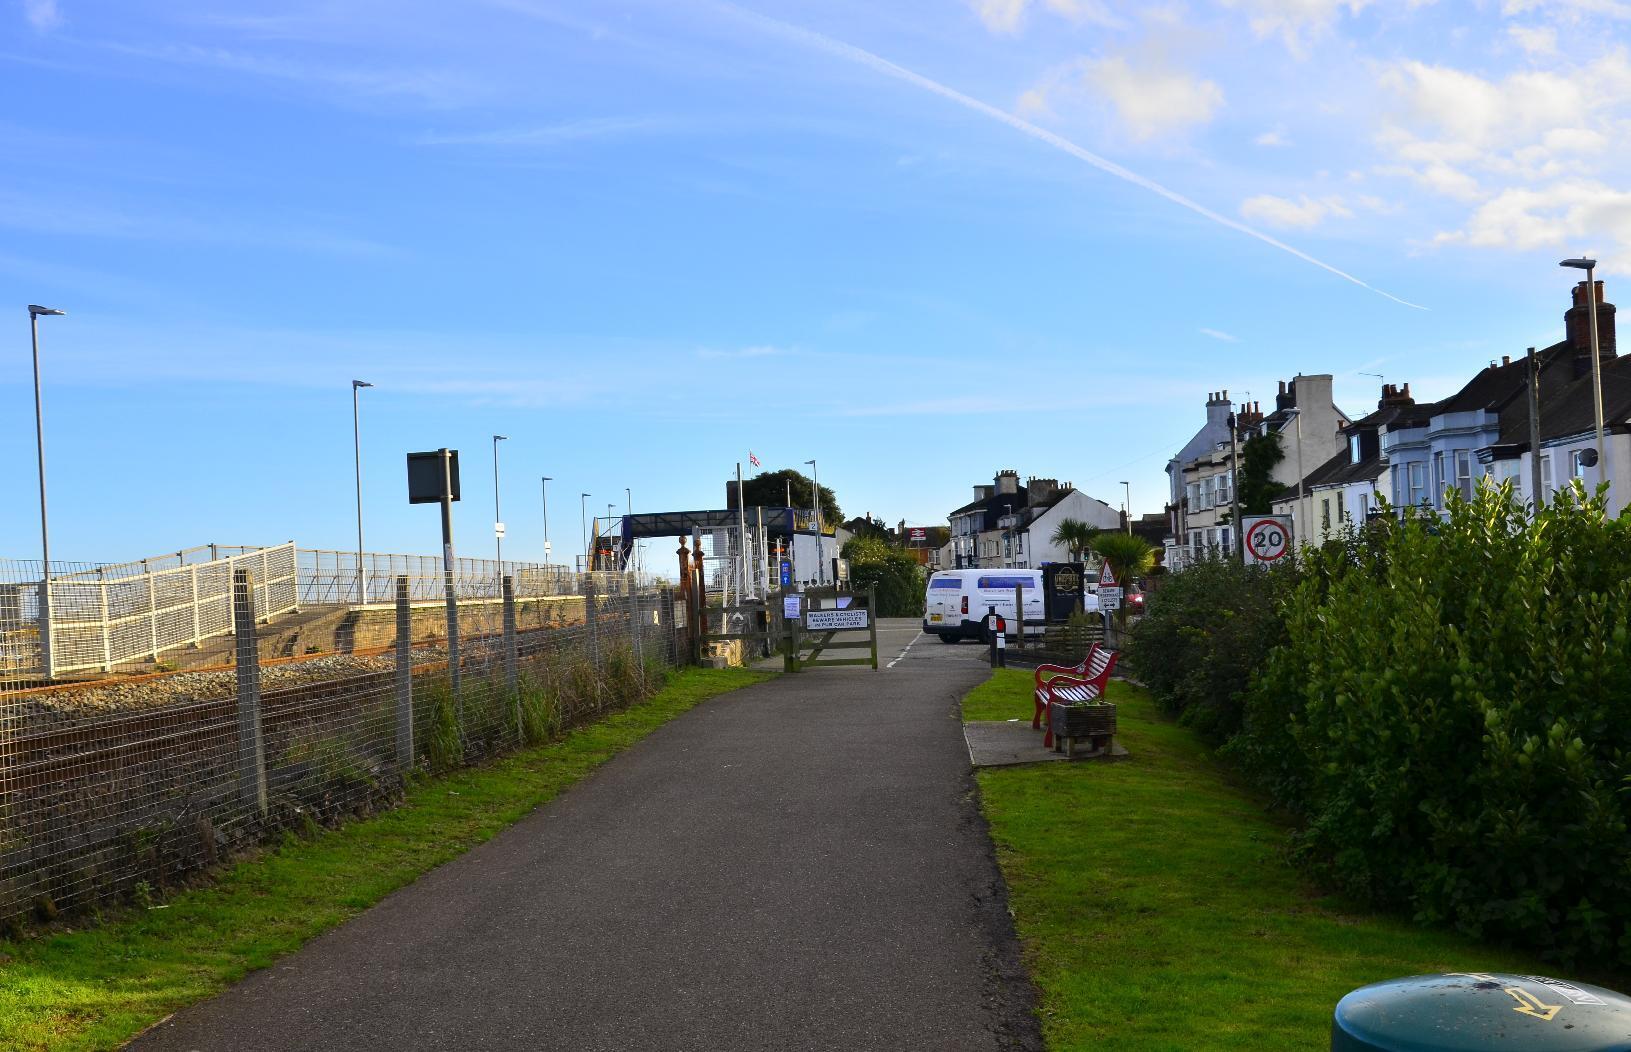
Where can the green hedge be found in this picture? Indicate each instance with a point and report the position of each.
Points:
(1450, 715)
(1207, 629)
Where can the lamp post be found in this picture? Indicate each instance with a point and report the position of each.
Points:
(1127, 487)
(1590, 267)
(34, 313)
(498, 519)
(583, 511)
(815, 475)
(356, 444)
(543, 487)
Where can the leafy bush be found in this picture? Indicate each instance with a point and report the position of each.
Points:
(1205, 631)
(896, 575)
(1451, 715)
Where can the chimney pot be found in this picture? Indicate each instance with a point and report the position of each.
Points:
(1506, 359)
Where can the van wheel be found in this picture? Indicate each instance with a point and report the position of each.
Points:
(947, 637)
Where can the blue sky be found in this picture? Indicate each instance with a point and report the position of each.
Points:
(920, 241)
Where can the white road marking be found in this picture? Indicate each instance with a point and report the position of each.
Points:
(895, 662)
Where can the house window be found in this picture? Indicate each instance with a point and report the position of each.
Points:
(1364, 506)
(1325, 514)
(1418, 482)
(1224, 533)
(1438, 477)
(1353, 448)
(1546, 486)
(1579, 467)
(1463, 473)
(1192, 493)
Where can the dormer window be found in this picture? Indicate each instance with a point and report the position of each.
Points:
(1354, 455)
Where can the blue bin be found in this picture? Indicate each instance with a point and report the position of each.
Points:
(1482, 1012)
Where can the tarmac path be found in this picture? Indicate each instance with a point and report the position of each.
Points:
(797, 865)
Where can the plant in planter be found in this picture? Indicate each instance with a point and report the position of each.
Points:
(1094, 721)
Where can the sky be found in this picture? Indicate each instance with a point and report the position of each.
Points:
(918, 241)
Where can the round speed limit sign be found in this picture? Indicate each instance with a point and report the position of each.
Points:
(1268, 540)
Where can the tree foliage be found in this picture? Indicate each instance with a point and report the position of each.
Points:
(1451, 716)
(769, 489)
(1075, 535)
(896, 576)
(1254, 484)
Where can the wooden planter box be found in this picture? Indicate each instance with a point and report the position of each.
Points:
(1095, 724)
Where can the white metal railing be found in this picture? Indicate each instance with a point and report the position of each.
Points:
(331, 578)
(110, 615)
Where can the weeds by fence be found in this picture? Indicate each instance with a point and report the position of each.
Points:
(114, 789)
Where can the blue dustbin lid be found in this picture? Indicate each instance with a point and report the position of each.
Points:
(1478, 1011)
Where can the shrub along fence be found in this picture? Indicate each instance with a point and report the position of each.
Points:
(1450, 717)
(123, 787)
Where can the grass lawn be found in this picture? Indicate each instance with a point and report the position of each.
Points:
(1157, 910)
(95, 988)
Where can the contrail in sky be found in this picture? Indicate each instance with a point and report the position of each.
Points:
(828, 44)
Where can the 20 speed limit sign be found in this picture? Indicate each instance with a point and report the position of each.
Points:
(1267, 538)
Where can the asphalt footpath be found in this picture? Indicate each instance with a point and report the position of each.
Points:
(797, 865)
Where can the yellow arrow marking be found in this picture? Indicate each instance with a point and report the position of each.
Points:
(1529, 1004)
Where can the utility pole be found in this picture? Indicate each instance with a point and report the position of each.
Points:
(356, 442)
(1234, 489)
(815, 490)
(46, 662)
(498, 518)
(1539, 498)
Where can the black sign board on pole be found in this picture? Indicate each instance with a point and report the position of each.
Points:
(1062, 585)
(425, 476)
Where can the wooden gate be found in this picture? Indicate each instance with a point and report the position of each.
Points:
(828, 620)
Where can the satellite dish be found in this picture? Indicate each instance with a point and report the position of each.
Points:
(1587, 458)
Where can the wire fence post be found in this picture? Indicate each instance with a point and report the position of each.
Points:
(251, 751)
(452, 631)
(511, 679)
(636, 623)
(404, 675)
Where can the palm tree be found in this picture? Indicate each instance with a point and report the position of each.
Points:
(1075, 535)
(1128, 556)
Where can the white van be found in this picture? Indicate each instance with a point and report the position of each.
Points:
(958, 601)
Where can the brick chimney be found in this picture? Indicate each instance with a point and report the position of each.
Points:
(1007, 481)
(1577, 326)
(1286, 398)
(1042, 489)
(1393, 394)
(1250, 415)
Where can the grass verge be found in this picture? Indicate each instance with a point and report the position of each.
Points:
(1157, 909)
(95, 988)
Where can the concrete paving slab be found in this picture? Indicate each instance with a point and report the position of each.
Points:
(1011, 742)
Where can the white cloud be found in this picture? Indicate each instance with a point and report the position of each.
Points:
(1007, 16)
(1152, 101)
(1218, 334)
(1283, 212)
(1560, 216)
(1536, 40)
(43, 15)
(1296, 22)
(1271, 138)
(1611, 8)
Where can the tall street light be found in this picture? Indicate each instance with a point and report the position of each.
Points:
(34, 313)
(356, 446)
(1590, 267)
(815, 475)
(498, 518)
(583, 511)
(544, 489)
(1128, 486)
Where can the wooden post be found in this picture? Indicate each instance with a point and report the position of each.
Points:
(404, 675)
(872, 620)
(251, 749)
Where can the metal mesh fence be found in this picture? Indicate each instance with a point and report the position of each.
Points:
(122, 787)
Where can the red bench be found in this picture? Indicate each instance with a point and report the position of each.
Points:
(1065, 689)
(1092, 665)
